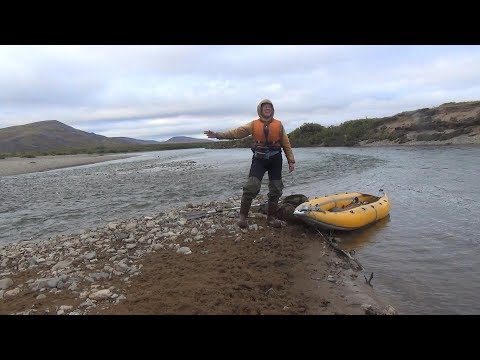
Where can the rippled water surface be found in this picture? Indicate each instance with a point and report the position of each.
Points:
(424, 256)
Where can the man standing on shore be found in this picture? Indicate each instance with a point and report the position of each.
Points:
(268, 140)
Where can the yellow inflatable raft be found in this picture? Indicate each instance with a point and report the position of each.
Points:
(348, 211)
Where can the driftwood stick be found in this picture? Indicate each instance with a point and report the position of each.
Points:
(271, 289)
(358, 266)
(369, 281)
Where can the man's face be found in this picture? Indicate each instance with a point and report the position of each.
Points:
(267, 110)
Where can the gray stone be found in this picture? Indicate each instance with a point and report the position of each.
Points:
(6, 283)
(91, 255)
(62, 264)
(53, 282)
(184, 250)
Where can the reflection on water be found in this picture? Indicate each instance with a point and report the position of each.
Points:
(357, 239)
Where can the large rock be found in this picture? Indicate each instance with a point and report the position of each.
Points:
(5, 283)
(285, 212)
(287, 207)
(295, 199)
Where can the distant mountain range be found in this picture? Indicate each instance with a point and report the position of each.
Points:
(449, 123)
(52, 135)
(175, 139)
(127, 140)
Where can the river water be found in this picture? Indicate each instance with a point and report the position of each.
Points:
(425, 256)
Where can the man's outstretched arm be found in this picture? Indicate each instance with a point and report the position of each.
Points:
(238, 133)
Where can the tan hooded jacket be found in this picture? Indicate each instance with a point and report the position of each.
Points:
(247, 129)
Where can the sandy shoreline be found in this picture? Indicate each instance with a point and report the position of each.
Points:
(17, 165)
(166, 264)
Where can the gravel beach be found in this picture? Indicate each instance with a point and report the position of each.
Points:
(18, 165)
(176, 263)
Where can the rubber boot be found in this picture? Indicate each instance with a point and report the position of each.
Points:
(244, 209)
(271, 211)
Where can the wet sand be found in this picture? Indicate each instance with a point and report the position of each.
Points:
(18, 165)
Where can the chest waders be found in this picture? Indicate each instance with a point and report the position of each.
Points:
(270, 160)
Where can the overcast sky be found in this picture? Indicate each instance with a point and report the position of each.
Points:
(156, 92)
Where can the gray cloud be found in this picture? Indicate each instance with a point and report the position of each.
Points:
(156, 92)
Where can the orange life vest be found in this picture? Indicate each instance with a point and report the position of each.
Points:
(274, 133)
